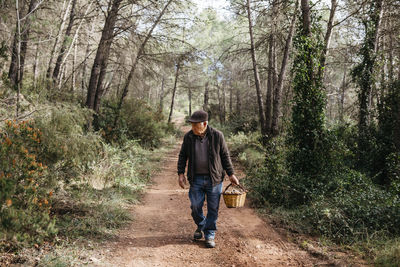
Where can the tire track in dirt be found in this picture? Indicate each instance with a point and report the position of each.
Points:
(162, 229)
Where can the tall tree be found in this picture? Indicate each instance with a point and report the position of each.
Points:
(271, 67)
(205, 103)
(161, 105)
(177, 68)
(95, 88)
(140, 52)
(136, 60)
(309, 156)
(20, 43)
(327, 39)
(363, 72)
(65, 9)
(261, 114)
(67, 37)
(279, 85)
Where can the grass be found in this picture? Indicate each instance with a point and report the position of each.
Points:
(89, 212)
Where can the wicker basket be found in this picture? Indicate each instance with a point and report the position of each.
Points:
(235, 200)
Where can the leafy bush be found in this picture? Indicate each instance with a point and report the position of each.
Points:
(137, 120)
(240, 141)
(246, 123)
(66, 148)
(25, 198)
(355, 209)
(342, 204)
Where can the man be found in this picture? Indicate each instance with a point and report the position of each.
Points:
(208, 159)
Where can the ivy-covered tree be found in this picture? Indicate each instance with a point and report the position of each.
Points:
(308, 116)
(363, 75)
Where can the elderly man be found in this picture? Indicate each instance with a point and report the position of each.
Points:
(208, 159)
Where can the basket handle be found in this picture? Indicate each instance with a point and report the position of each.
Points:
(241, 186)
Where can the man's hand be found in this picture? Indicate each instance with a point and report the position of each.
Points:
(234, 180)
(182, 180)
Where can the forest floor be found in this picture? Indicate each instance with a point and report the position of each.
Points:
(161, 234)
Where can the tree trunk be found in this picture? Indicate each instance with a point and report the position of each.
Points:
(270, 82)
(205, 104)
(305, 11)
(36, 65)
(16, 70)
(161, 106)
(391, 56)
(190, 100)
(279, 85)
(18, 42)
(223, 104)
(101, 59)
(306, 20)
(174, 91)
(383, 84)
(67, 36)
(256, 74)
(219, 103)
(327, 39)
(73, 67)
(60, 29)
(367, 67)
(83, 82)
(230, 99)
(342, 95)
(238, 102)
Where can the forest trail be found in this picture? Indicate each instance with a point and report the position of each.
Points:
(162, 230)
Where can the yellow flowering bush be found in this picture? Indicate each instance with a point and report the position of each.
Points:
(24, 200)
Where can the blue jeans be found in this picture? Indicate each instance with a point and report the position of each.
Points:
(200, 189)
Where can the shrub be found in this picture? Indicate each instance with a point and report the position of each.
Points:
(343, 204)
(24, 196)
(120, 167)
(66, 148)
(240, 141)
(354, 209)
(137, 120)
(246, 123)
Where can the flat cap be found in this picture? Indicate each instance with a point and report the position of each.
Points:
(198, 116)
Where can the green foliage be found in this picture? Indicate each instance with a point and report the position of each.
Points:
(247, 149)
(308, 141)
(364, 76)
(343, 204)
(387, 149)
(66, 148)
(96, 205)
(137, 120)
(355, 209)
(389, 254)
(271, 184)
(90, 213)
(24, 195)
(245, 123)
(3, 52)
(132, 161)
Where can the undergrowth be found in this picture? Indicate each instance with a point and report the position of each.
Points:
(349, 210)
(61, 183)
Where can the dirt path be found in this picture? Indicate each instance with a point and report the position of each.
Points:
(162, 230)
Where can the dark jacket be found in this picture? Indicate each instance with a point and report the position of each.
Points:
(218, 156)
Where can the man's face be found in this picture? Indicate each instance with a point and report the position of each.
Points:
(199, 127)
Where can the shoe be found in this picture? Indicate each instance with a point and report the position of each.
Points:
(210, 243)
(198, 234)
